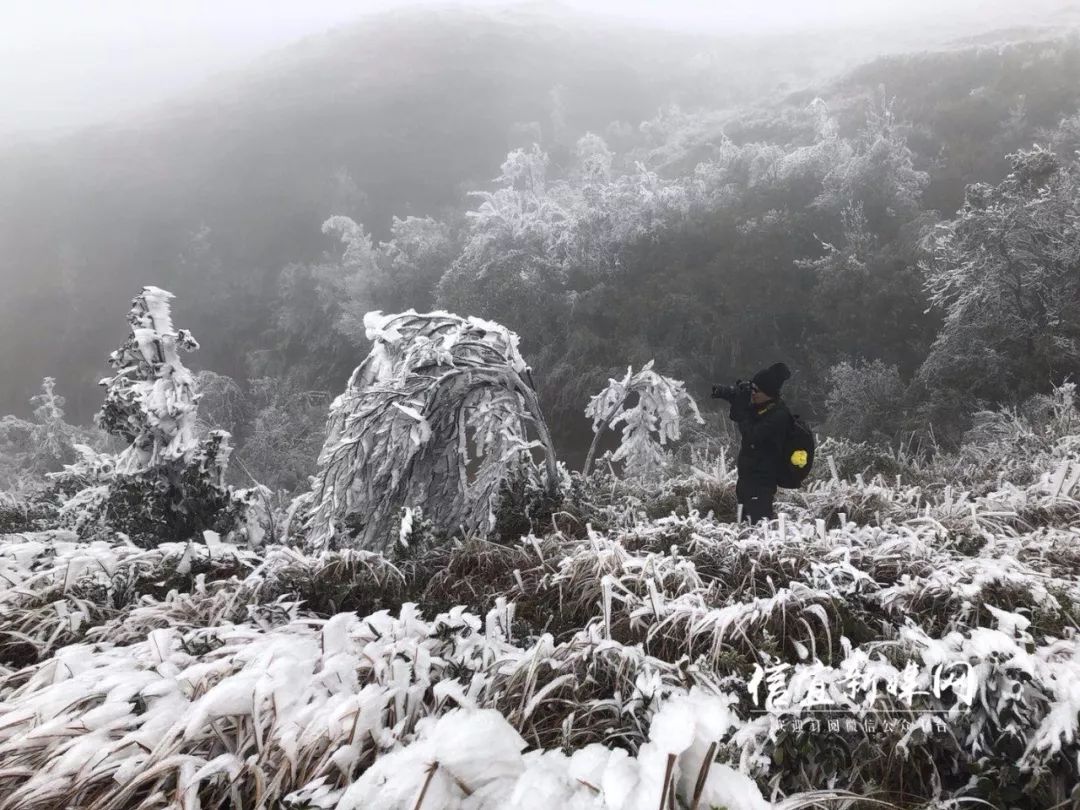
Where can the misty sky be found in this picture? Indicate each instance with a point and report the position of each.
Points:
(67, 63)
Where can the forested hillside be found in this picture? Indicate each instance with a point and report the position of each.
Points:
(719, 211)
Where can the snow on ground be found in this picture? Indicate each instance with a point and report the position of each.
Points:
(923, 636)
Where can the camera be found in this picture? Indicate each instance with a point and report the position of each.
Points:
(732, 393)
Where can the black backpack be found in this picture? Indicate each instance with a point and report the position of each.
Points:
(800, 440)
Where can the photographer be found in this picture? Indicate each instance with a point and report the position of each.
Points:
(764, 422)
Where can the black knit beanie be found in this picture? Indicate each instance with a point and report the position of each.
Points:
(770, 379)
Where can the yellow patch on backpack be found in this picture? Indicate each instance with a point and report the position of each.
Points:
(798, 458)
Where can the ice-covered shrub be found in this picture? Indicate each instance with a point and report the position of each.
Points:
(648, 426)
(166, 484)
(701, 482)
(150, 401)
(62, 590)
(31, 452)
(437, 416)
(222, 403)
(1025, 440)
(848, 459)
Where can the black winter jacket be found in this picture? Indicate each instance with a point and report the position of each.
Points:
(764, 428)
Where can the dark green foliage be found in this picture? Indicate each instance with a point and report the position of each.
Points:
(527, 508)
(27, 513)
(150, 514)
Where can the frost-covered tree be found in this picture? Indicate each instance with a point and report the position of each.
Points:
(867, 294)
(286, 432)
(1006, 273)
(647, 426)
(55, 439)
(548, 256)
(514, 259)
(594, 159)
(222, 403)
(437, 416)
(166, 484)
(865, 401)
(367, 275)
(850, 257)
(419, 251)
(358, 281)
(150, 401)
(521, 216)
(31, 448)
(878, 171)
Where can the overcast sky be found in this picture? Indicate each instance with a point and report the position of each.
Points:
(66, 63)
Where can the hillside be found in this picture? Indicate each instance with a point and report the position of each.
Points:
(396, 116)
(904, 635)
(400, 115)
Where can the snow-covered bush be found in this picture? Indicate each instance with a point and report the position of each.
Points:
(222, 404)
(166, 484)
(29, 450)
(648, 426)
(151, 401)
(436, 416)
(1022, 440)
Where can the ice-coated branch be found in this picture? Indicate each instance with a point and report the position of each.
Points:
(657, 412)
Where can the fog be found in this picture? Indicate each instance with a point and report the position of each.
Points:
(65, 64)
(201, 146)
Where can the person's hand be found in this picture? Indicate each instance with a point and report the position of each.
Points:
(740, 409)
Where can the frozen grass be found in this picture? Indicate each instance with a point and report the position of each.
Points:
(604, 660)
